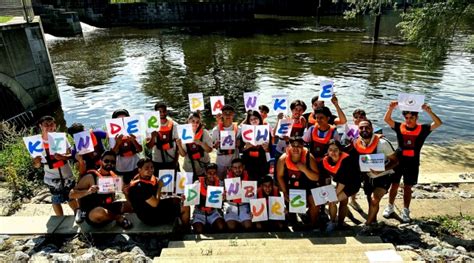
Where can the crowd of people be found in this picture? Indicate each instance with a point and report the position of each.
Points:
(315, 154)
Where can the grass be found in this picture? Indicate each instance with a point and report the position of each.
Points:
(451, 224)
(4, 19)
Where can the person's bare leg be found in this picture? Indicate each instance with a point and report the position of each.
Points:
(374, 205)
(58, 209)
(407, 191)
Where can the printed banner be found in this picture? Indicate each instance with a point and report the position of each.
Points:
(375, 162)
(410, 102)
(258, 208)
(297, 201)
(233, 188)
(324, 194)
(34, 144)
(106, 185)
(276, 208)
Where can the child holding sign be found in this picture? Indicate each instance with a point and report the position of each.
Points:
(91, 159)
(319, 135)
(266, 190)
(57, 171)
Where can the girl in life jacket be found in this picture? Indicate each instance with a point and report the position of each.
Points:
(196, 154)
(321, 133)
(255, 157)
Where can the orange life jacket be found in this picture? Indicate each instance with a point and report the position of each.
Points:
(203, 193)
(195, 151)
(137, 180)
(245, 177)
(298, 127)
(333, 169)
(319, 145)
(106, 198)
(409, 139)
(369, 149)
(311, 119)
(51, 161)
(221, 128)
(164, 141)
(294, 174)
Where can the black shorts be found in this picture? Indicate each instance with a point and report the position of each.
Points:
(379, 182)
(114, 208)
(166, 212)
(409, 171)
(351, 190)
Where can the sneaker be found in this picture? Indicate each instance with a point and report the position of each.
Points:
(406, 215)
(388, 211)
(79, 216)
(330, 226)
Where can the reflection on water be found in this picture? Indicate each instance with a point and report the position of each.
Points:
(134, 68)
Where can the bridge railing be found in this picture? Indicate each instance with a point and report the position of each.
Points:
(22, 8)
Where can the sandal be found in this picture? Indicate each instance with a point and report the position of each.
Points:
(125, 223)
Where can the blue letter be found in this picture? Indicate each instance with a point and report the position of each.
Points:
(166, 179)
(260, 136)
(214, 196)
(326, 91)
(32, 147)
(132, 127)
(83, 145)
(183, 136)
(228, 140)
(283, 128)
(279, 104)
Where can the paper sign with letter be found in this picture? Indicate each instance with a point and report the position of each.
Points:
(351, 131)
(280, 103)
(83, 142)
(167, 177)
(327, 90)
(276, 208)
(106, 185)
(249, 191)
(227, 140)
(410, 102)
(248, 133)
(284, 127)
(233, 188)
(217, 102)
(251, 101)
(297, 201)
(185, 133)
(57, 143)
(262, 134)
(375, 162)
(152, 121)
(183, 178)
(191, 192)
(258, 208)
(34, 144)
(324, 194)
(133, 125)
(118, 181)
(115, 127)
(214, 196)
(196, 101)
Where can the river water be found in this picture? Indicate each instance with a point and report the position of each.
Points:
(129, 68)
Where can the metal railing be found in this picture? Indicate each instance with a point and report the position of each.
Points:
(22, 8)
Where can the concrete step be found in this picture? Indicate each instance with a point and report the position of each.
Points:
(275, 242)
(285, 248)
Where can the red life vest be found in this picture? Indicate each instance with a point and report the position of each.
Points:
(319, 145)
(51, 161)
(311, 119)
(195, 151)
(137, 180)
(294, 174)
(245, 177)
(106, 198)
(298, 127)
(333, 169)
(221, 128)
(127, 148)
(369, 149)
(203, 193)
(164, 141)
(409, 139)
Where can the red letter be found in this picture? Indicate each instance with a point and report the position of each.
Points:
(245, 133)
(114, 128)
(217, 105)
(259, 212)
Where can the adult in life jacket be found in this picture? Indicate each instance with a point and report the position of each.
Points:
(145, 197)
(58, 174)
(225, 157)
(196, 154)
(297, 107)
(376, 183)
(96, 193)
(162, 143)
(126, 148)
(297, 169)
(411, 137)
(267, 189)
(255, 156)
(236, 213)
(319, 135)
(310, 117)
(203, 215)
(340, 168)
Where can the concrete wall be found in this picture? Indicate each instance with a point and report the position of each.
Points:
(25, 68)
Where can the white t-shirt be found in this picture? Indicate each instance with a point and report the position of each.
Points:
(170, 154)
(51, 175)
(224, 160)
(382, 147)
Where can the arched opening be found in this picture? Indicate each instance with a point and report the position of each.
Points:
(10, 105)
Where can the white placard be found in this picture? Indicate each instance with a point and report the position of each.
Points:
(106, 185)
(388, 255)
(297, 201)
(196, 101)
(351, 131)
(185, 133)
(133, 125)
(227, 141)
(57, 143)
(284, 127)
(34, 145)
(192, 195)
(258, 208)
(214, 196)
(183, 178)
(262, 134)
(251, 101)
(249, 191)
(410, 102)
(217, 102)
(118, 182)
(115, 127)
(276, 209)
(324, 194)
(280, 103)
(167, 177)
(375, 162)
(248, 133)
(326, 91)
(152, 121)
(83, 142)
(233, 188)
